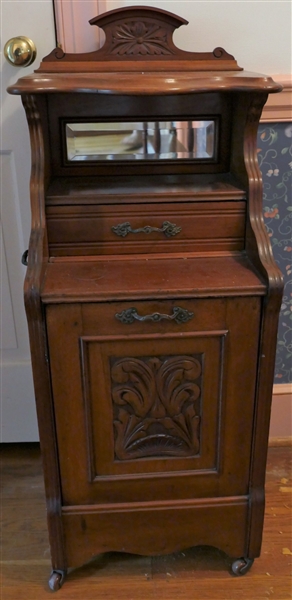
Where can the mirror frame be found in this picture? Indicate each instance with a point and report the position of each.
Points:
(154, 159)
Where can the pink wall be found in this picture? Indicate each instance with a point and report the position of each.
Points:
(73, 32)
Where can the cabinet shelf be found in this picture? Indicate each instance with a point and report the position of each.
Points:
(69, 280)
(138, 189)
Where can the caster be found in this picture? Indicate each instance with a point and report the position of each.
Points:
(56, 580)
(241, 566)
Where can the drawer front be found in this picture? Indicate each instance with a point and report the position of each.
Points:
(146, 228)
(153, 408)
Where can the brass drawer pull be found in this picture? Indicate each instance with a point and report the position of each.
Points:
(169, 229)
(180, 315)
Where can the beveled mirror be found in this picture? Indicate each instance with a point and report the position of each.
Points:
(140, 140)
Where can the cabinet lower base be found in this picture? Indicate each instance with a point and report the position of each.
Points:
(155, 528)
(239, 567)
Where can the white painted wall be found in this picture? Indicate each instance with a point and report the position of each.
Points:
(34, 19)
(256, 32)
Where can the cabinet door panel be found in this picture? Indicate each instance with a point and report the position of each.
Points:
(144, 400)
(156, 414)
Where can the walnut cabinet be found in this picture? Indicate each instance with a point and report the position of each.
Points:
(152, 295)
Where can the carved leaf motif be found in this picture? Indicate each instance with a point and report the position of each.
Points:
(156, 408)
(140, 393)
(176, 378)
(129, 429)
(136, 37)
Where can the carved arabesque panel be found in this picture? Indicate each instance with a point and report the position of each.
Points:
(156, 406)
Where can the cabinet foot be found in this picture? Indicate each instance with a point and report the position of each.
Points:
(241, 566)
(56, 580)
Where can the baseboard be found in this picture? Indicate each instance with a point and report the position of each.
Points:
(18, 412)
(280, 442)
(282, 389)
(281, 416)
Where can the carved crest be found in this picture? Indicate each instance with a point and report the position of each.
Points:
(156, 403)
(139, 34)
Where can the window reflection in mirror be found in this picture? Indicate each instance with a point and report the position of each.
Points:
(140, 140)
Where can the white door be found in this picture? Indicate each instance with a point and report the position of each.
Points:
(35, 20)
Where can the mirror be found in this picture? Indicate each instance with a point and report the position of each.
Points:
(140, 140)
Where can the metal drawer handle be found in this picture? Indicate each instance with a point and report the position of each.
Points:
(180, 315)
(169, 229)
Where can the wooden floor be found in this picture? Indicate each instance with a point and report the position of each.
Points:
(194, 574)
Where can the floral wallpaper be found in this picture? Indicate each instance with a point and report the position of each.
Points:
(275, 161)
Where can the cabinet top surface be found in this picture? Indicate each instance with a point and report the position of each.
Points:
(139, 57)
(144, 83)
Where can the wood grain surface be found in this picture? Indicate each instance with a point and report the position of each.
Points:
(120, 278)
(193, 574)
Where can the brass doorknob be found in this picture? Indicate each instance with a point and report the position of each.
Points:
(20, 51)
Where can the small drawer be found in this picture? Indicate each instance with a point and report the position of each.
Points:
(154, 316)
(146, 228)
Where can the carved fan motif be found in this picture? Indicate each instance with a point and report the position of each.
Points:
(137, 37)
(156, 405)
